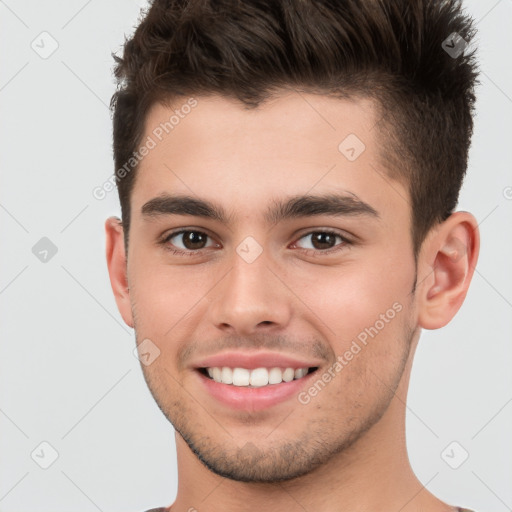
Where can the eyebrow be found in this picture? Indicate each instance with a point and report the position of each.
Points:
(336, 205)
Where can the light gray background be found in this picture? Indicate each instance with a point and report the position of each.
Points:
(67, 372)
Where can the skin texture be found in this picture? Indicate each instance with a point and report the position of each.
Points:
(345, 449)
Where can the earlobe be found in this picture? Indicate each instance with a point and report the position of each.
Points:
(117, 268)
(448, 262)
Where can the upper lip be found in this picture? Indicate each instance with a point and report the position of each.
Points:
(251, 360)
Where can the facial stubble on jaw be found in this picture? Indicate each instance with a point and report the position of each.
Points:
(247, 462)
(250, 463)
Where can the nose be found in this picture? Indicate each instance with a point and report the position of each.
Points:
(251, 298)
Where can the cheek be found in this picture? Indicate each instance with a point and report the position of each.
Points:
(359, 299)
(165, 296)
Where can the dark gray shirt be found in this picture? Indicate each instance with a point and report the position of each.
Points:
(164, 510)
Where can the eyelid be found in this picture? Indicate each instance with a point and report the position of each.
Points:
(333, 231)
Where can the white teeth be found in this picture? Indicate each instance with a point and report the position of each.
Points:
(275, 376)
(227, 375)
(241, 377)
(217, 374)
(288, 374)
(257, 377)
(300, 372)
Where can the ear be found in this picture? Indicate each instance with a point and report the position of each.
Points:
(447, 262)
(117, 268)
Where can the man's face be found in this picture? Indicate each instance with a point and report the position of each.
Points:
(268, 290)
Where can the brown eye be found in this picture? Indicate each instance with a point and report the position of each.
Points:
(194, 240)
(189, 240)
(321, 241)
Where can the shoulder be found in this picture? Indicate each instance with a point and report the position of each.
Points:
(162, 509)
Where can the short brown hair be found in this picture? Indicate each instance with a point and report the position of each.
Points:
(393, 51)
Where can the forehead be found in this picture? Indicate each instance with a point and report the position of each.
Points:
(215, 148)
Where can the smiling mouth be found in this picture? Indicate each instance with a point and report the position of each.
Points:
(255, 378)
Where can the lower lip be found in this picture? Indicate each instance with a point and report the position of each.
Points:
(254, 399)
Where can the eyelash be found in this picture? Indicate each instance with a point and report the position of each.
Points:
(178, 252)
